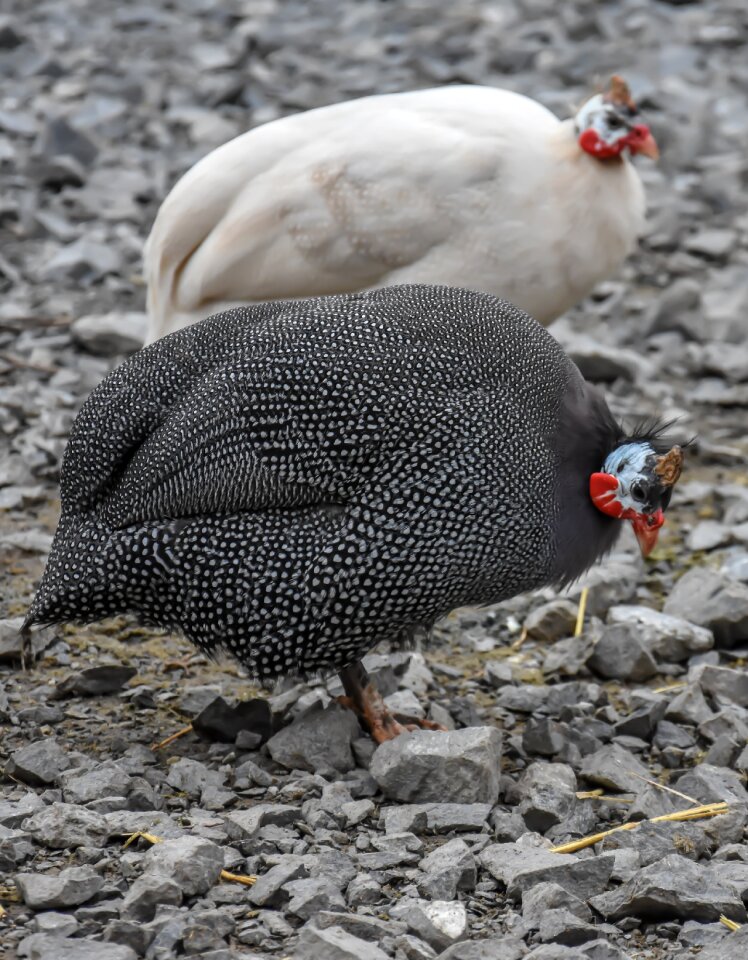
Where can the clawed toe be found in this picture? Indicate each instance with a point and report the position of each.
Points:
(365, 700)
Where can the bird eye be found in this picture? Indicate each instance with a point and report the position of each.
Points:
(614, 122)
(637, 491)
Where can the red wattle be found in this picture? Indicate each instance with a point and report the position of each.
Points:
(603, 490)
(590, 142)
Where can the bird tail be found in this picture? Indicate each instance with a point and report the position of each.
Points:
(92, 573)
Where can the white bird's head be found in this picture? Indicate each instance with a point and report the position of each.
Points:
(608, 124)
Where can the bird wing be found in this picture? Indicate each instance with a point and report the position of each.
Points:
(284, 430)
(332, 200)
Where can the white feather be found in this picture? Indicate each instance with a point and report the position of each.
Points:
(465, 186)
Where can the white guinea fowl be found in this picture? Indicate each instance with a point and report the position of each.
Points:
(465, 186)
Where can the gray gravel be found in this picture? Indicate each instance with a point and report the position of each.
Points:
(438, 845)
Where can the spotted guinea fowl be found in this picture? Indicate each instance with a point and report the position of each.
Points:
(463, 185)
(297, 481)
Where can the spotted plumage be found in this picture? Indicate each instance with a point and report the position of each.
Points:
(296, 481)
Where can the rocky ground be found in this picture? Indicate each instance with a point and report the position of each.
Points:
(437, 845)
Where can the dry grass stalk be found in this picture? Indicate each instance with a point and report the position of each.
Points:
(669, 687)
(172, 738)
(246, 879)
(695, 813)
(661, 786)
(580, 613)
(730, 924)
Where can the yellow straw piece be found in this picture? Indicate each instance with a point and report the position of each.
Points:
(730, 924)
(695, 813)
(580, 613)
(517, 645)
(661, 786)
(172, 738)
(243, 878)
(238, 878)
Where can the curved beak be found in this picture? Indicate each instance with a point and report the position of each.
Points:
(640, 140)
(647, 530)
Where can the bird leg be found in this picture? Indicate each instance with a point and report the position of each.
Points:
(366, 701)
(184, 663)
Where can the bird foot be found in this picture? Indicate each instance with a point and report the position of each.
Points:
(183, 664)
(381, 723)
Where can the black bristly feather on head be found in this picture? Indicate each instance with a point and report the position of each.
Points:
(654, 431)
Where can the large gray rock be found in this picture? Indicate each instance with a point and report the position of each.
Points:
(55, 924)
(671, 639)
(710, 599)
(95, 681)
(320, 739)
(613, 767)
(15, 847)
(434, 817)
(551, 621)
(334, 943)
(620, 654)
(673, 887)
(269, 890)
(40, 763)
(711, 784)
(309, 895)
(111, 333)
(601, 363)
(548, 792)
(447, 869)
(104, 780)
(43, 946)
(193, 863)
(460, 766)
(62, 826)
(729, 683)
(14, 812)
(653, 841)
(87, 260)
(145, 895)
(494, 948)
(69, 888)
(248, 822)
(59, 138)
(734, 948)
(359, 925)
(192, 777)
(135, 821)
(611, 582)
(520, 866)
(561, 925)
(689, 706)
(439, 922)
(538, 900)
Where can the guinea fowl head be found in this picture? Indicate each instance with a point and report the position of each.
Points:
(636, 483)
(608, 124)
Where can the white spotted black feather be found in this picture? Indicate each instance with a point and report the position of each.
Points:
(297, 481)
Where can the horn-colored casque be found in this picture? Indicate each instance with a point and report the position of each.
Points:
(668, 467)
